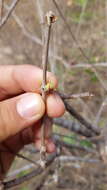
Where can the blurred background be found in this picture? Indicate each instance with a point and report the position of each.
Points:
(21, 43)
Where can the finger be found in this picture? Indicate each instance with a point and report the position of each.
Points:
(22, 78)
(50, 146)
(55, 106)
(20, 112)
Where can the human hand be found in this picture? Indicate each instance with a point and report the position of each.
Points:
(21, 108)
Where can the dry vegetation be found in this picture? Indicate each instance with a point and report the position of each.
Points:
(20, 43)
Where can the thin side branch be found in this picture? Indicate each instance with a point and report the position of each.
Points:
(75, 96)
(43, 178)
(76, 159)
(9, 12)
(73, 146)
(81, 119)
(85, 65)
(69, 29)
(36, 172)
(75, 40)
(1, 10)
(73, 126)
(8, 149)
(25, 31)
(100, 110)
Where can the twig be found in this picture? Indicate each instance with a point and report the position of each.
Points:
(81, 17)
(75, 96)
(100, 110)
(73, 146)
(70, 31)
(81, 119)
(31, 150)
(78, 140)
(99, 78)
(39, 7)
(74, 158)
(1, 10)
(8, 149)
(43, 178)
(38, 171)
(18, 171)
(50, 18)
(11, 8)
(25, 31)
(73, 126)
(93, 67)
(85, 65)
(77, 144)
(75, 40)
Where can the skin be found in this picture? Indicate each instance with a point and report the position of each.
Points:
(17, 131)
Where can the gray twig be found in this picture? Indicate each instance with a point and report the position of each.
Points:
(74, 158)
(100, 110)
(85, 65)
(8, 149)
(73, 146)
(79, 47)
(75, 96)
(1, 9)
(19, 170)
(81, 119)
(9, 12)
(73, 126)
(25, 31)
(44, 177)
(70, 31)
(20, 180)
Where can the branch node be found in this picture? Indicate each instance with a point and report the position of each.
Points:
(50, 18)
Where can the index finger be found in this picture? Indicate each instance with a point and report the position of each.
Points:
(22, 78)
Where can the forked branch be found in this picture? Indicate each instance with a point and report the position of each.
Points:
(9, 12)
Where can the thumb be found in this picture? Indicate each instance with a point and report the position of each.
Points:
(19, 112)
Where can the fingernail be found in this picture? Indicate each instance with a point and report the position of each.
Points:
(30, 105)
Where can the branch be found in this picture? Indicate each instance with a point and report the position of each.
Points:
(73, 126)
(1, 9)
(49, 19)
(78, 140)
(75, 40)
(70, 31)
(85, 65)
(75, 96)
(100, 110)
(31, 150)
(81, 119)
(25, 31)
(19, 170)
(73, 146)
(8, 149)
(12, 7)
(36, 172)
(43, 178)
(75, 158)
